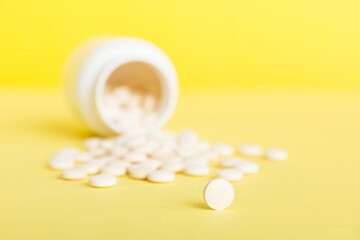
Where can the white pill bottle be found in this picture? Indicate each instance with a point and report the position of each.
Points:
(104, 64)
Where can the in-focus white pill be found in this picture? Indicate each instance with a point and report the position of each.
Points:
(197, 170)
(229, 162)
(139, 171)
(102, 180)
(73, 174)
(247, 167)
(219, 194)
(230, 174)
(173, 166)
(114, 170)
(61, 162)
(223, 149)
(161, 176)
(251, 150)
(276, 154)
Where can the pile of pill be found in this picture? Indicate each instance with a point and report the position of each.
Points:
(129, 108)
(156, 158)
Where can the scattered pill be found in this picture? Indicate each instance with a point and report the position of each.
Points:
(223, 149)
(250, 150)
(173, 166)
(103, 180)
(197, 170)
(276, 154)
(247, 167)
(135, 157)
(229, 162)
(61, 162)
(161, 176)
(219, 194)
(230, 174)
(89, 167)
(139, 171)
(114, 170)
(187, 138)
(73, 174)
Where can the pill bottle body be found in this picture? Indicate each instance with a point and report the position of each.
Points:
(129, 61)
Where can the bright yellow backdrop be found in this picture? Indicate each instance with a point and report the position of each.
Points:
(212, 43)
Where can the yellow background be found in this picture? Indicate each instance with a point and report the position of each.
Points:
(227, 43)
(260, 49)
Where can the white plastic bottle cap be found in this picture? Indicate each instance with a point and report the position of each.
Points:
(108, 62)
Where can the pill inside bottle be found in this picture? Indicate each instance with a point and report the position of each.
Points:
(132, 98)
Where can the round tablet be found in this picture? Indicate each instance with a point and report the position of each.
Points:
(73, 174)
(114, 170)
(251, 150)
(230, 174)
(89, 167)
(139, 171)
(276, 154)
(103, 180)
(161, 176)
(61, 162)
(229, 162)
(219, 194)
(247, 167)
(197, 170)
(173, 166)
(223, 149)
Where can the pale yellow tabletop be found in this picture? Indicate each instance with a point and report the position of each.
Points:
(313, 195)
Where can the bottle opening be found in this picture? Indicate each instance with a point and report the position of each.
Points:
(131, 98)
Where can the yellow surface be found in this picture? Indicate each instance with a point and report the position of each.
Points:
(212, 43)
(313, 195)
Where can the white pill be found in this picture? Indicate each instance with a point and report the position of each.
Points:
(114, 170)
(135, 157)
(106, 144)
(161, 176)
(73, 174)
(135, 142)
(229, 162)
(83, 157)
(92, 143)
(186, 152)
(61, 162)
(247, 167)
(153, 163)
(276, 154)
(89, 167)
(118, 151)
(251, 150)
(173, 166)
(197, 170)
(223, 149)
(230, 174)
(68, 151)
(173, 158)
(219, 194)
(210, 155)
(187, 138)
(97, 152)
(139, 171)
(103, 180)
(196, 160)
(119, 163)
(203, 146)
